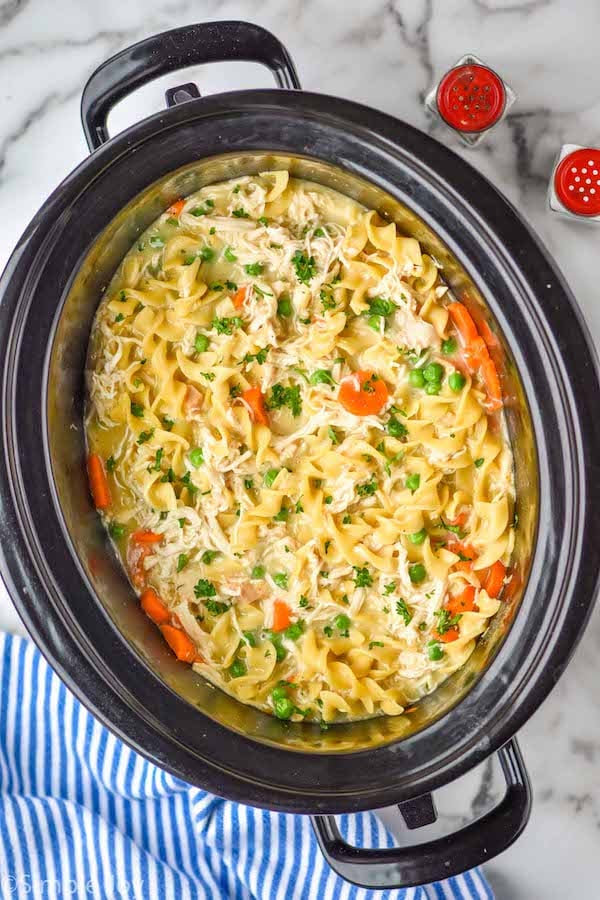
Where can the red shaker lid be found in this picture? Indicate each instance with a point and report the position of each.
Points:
(577, 182)
(471, 98)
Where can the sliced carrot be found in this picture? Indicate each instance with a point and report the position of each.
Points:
(239, 298)
(281, 615)
(488, 335)
(176, 208)
(459, 520)
(475, 353)
(146, 537)
(181, 645)
(98, 481)
(254, 397)
(463, 323)
(462, 549)
(463, 602)
(493, 578)
(154, 608)
(363, 393)
(489, 375)
(447, 636)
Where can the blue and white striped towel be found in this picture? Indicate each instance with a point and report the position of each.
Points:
(82, 815)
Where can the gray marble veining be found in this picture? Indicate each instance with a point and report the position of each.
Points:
(384, 54)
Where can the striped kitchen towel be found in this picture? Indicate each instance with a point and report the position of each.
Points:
(82, 815)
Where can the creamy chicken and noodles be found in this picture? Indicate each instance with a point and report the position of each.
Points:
(296, 444)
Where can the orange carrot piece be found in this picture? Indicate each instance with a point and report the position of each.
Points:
(448, 636)
(462, 549)
(463, 323)
(463, 602)
(146, 537)
(176, 208)
(493, 579)
(254, 397)
(363, 393)
(489, 375)
(98, 481)
(181, 645)
(154, 608)
(281, 615)
(239, 298)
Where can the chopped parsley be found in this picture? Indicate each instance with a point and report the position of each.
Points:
(206, 254)
(226, 325)
(375, 644)
(285, 396)
(254, 269)
(167, 423)
(303, 602)
(479, 462)
(204, 588)
(403, 611)
(215, 607)
(327, 301)
(145, 436)
(284, 308)
(263, 220)
(203, 210)
(412, 482)
(258, 572)
(305, 266)
(240, 213)
(111, 464)
(260, 356)
(210, 376)
(182, 561)
(368, 488)
(362, 577)
(229, 254)
(347, 519)
(445, 621)
(119, 318)
(235, 391)
(322, 376)
(395, 428)
(332, 435)
(156, 241)
(137, 410)
(389, 588)
(270, 476)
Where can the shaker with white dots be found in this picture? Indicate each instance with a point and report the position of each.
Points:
(575, 184)
(471, 99)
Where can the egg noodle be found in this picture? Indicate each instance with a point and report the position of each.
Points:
(298, 450)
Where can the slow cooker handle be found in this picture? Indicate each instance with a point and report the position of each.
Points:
(435, 860)
(191, 45)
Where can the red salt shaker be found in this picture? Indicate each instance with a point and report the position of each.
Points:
(574, 189)
(470, 99)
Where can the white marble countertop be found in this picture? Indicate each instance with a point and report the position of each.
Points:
(385, 53)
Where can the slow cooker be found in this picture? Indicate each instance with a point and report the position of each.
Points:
(68, 587)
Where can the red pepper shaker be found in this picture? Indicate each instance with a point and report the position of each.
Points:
(574, 189)
(470, 99)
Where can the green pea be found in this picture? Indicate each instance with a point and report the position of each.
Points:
(417, 537)
(258, 572)
(283, 707)
(116, 530)
(237, 668)
(435, 652)
(433, 372)
(417, 573)
(413, 481)
(457, 382)
(374, 322)
(284, 308)
(270, 476)
(196, 457)
(416, 378)
(449, 347)
(432, 387)
(201, 343)
(279, 692)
